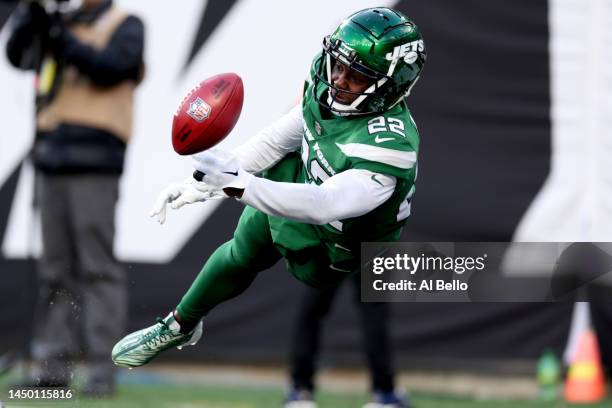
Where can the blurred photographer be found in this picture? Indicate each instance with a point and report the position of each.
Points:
(88, 59)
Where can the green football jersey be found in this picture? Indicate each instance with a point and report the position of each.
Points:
(385, 143)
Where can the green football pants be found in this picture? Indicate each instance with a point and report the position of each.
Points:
(235, 264)
(232, 267)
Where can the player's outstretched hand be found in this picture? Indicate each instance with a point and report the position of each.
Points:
(178, 194)
(221, 169)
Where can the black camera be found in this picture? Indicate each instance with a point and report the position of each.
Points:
(56, 6)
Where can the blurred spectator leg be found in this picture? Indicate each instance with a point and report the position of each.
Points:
(54, 341)
(103, 281)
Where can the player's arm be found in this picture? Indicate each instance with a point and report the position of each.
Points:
(348, 194)
(345, 195)
(29, 26)
(259, 153)
(270, 145)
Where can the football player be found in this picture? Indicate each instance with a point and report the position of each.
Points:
(337, 170)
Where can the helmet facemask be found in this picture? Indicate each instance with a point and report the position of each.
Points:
(337, 52)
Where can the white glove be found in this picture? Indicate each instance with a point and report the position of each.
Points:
(179, 194)
(221, 170)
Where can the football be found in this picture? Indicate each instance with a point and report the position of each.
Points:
(207, 113)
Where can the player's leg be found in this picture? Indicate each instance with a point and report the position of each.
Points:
(231, 269)
(226, 274)
(378, 351)
(314, 307)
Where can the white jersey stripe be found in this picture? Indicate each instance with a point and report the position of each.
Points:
(392, 157)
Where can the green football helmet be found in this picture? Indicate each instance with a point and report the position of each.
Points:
(380, 43)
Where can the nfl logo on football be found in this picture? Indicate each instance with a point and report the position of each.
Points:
(199, 110)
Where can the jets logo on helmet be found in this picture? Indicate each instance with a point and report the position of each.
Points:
(408, 51)
(381, 45)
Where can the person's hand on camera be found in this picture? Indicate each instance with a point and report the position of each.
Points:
(31, 18)
(39, 20)
(58, 37)
(47, 26)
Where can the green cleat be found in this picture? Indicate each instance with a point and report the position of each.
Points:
(142, 346)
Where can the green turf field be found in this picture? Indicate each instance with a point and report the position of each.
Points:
(175, 396)
(153, 389)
